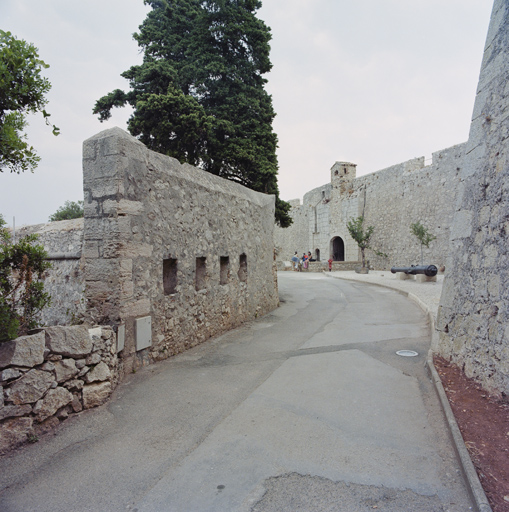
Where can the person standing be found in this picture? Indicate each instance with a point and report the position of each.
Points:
(305, 261)
(330, 264)
(295, 260)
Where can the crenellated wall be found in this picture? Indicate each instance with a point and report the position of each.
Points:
(390, 200)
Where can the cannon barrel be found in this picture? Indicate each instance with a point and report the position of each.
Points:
(427, 270)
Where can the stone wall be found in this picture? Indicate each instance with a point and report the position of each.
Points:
(51, 374)
(394, 198)
(473, 319)
(172, 254)
(390, 200)
(65, 281)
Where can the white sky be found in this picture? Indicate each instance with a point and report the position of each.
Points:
(366, 81)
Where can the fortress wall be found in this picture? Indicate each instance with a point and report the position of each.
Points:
(173, 254)
(473, 318)
(289, 240)
(394, 198)
(65, 280)
(390, 200)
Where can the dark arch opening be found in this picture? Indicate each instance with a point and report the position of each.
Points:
(338, 249)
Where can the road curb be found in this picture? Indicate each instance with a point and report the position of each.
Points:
(467, 467)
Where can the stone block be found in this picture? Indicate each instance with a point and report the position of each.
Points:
(76, 404)
(14, 432)
(15, 411)
(136, 309)
(93, 359)
(9, 374)
(54, 400)
(461, 225)
(96, 394)
(75, 384)
(100, 269)
(65, 369)
(123, 207)
(73, 341)
(403, 277)
(31, 387)
(421, 278)
(99, 373)
(90, 249)
(27, 351)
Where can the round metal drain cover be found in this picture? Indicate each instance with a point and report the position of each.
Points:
(407, 353)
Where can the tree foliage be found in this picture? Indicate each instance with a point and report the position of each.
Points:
(22, 296)
(22, 91)
(70, 210)
(360, 234)
(199, 95)
(423, 235)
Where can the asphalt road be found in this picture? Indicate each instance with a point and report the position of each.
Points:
(307, 409)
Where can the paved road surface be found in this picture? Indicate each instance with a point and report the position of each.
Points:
(306, 409)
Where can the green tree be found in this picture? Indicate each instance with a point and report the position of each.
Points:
(423, 235)
(70, 210)
(22, 295)
(22, 91)
(361, 235)
(199, 95)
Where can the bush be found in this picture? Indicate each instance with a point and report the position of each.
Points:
(22, 296)
(70, 210)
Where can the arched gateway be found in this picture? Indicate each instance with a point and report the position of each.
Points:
(338, 249)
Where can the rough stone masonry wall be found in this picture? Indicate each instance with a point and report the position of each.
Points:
(51, 374)
(65, 280)
(173, 255)
(390, 200)
(404, 194)
(289, 240)
(473, 319)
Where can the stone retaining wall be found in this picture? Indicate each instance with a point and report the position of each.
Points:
(46, 376)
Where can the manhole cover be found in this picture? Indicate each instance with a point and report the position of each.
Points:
(407, 353)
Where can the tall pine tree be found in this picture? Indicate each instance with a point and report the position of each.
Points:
(199, 95)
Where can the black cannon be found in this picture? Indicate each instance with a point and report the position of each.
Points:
(427, 270)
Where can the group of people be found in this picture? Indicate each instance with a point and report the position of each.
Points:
(300, 263)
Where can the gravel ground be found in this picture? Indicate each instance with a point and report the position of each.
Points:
(427, 294)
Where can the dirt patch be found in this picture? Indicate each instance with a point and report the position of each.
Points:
(484, 424)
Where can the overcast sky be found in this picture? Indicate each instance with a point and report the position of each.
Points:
(374, 82)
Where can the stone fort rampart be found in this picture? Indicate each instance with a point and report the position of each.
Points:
(167, 254)
(390, 200)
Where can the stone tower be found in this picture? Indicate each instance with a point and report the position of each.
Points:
(342, 175)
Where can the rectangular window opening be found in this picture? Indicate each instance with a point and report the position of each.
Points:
(170, 276)
(243, 268)
(224, 271)
(201, 273)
